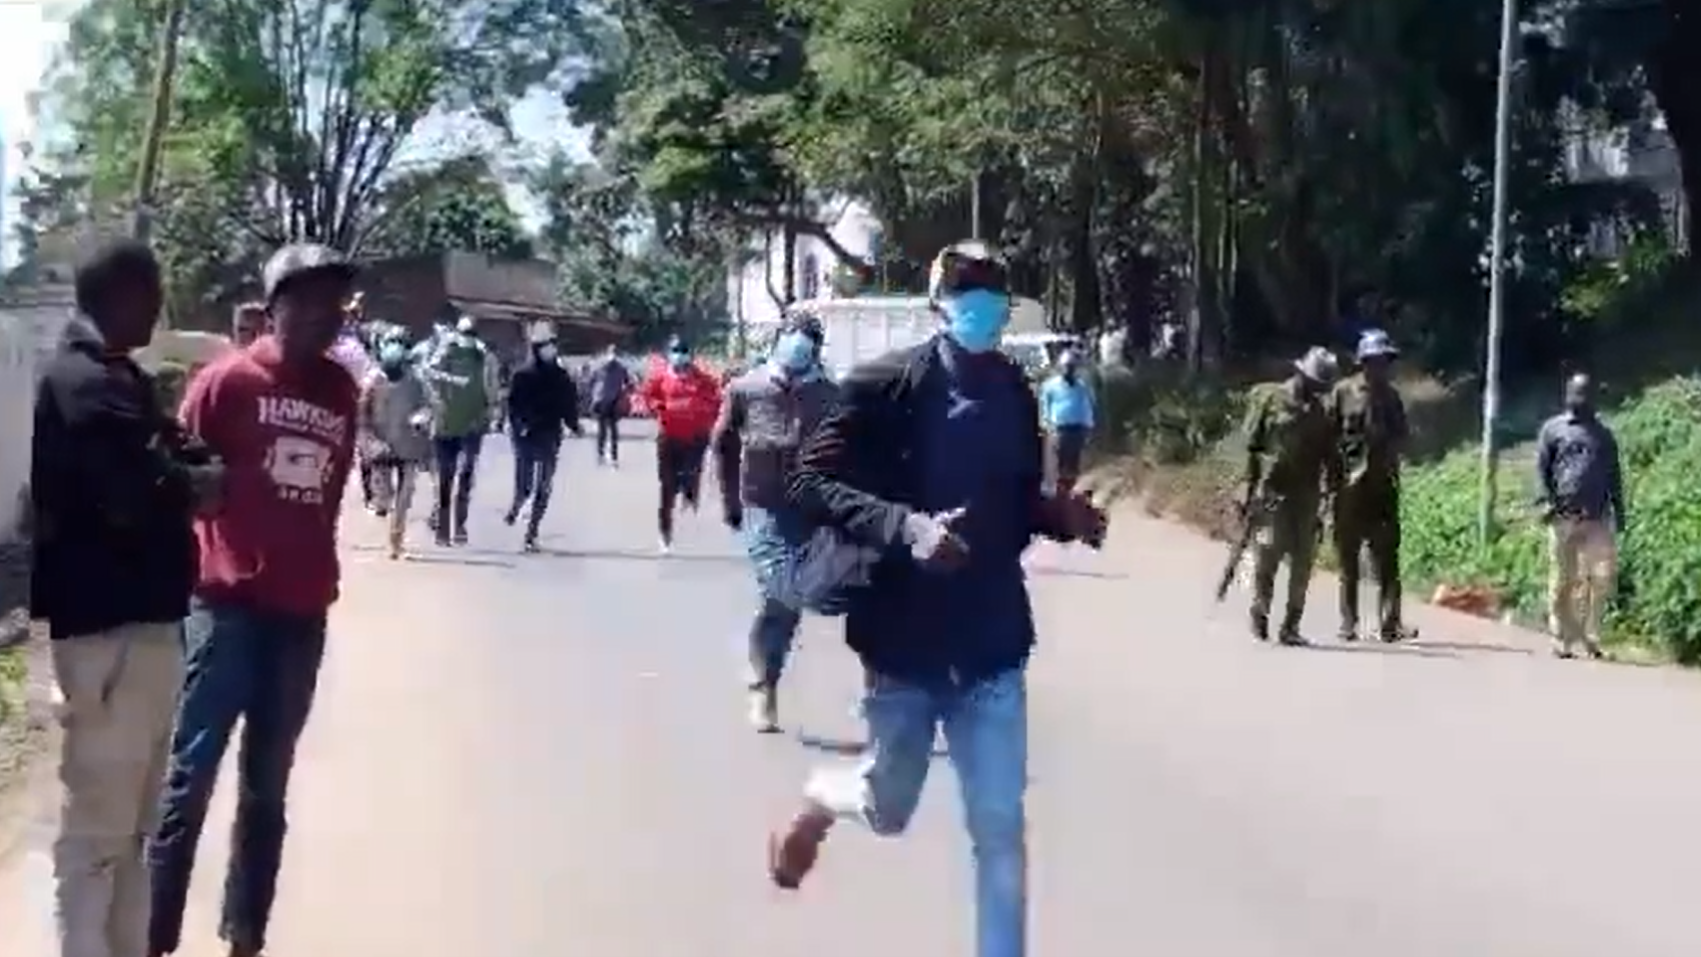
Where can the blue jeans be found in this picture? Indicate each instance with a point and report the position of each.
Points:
(457, 463)
(535, 459)
(263, 668)
(775, 627)
(986, 731)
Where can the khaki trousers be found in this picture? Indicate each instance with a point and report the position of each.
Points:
(393, 485)
(120, 693)
(1582, 564)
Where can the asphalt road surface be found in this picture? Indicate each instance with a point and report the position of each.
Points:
(546, 755)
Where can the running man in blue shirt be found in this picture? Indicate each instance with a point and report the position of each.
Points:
(1066, 412)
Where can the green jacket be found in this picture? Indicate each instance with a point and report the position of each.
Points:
(1290, 445)
(460, 373)
(1371, 429)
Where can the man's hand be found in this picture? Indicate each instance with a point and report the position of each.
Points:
(1081, 520)
(933, 542)
(206, 485)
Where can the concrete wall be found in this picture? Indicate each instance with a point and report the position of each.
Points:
(31, 324)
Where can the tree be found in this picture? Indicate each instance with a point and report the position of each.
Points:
(460, 205)
(614, 260)
(289, 117)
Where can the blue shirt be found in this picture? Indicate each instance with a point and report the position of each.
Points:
(1064, 404)
(972, 447)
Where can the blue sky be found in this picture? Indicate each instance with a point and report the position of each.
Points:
(31, 29)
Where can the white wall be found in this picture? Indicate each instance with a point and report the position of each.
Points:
(849, 222)
(17, 399)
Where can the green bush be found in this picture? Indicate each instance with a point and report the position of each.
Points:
(1659, 598)
(1162, 415)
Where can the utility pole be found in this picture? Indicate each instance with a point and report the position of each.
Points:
(147, 173)
(1497, 273)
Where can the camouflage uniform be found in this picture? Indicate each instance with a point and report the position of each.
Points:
(1370, 425)
(1291, 460)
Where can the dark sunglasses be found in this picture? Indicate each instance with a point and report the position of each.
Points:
(962, 274)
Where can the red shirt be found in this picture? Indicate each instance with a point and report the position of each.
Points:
(685, 402)
(287, 439)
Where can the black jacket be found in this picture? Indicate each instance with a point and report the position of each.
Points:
(859, 473)
(542, 400)
(109, 480)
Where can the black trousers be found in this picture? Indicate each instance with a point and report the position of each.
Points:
(1068, 445)
(607, 415)
(679, 474)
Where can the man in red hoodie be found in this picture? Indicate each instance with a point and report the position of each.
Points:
(281, 415)
(686, 401)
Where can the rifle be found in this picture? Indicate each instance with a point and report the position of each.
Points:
(1252, 515)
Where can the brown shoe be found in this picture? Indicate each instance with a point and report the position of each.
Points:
(792, 851)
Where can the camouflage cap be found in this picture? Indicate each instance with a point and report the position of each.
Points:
(299, 259)
(1319, 365)
(1375, 343)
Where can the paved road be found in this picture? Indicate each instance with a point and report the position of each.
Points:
(546, 754)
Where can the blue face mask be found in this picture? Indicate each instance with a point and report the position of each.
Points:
(976, 319)
(679, 360)
(795, 352)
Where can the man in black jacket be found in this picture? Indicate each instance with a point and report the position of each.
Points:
(115, 483)
(935, 456)
(542, 402)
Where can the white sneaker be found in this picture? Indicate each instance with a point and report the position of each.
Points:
(664, 548)
(764, 712)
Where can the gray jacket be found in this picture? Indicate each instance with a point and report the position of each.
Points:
(609, 380)
(398, 415)
(764, 420)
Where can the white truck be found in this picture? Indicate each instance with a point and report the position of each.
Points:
(865, 327)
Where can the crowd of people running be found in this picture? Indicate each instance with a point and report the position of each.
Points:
(185, 563)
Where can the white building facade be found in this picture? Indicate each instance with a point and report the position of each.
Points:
(755, 289)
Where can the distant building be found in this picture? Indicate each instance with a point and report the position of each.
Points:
(1641, 152)
(507, 298)
(752, 287)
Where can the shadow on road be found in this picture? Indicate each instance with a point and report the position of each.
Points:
(845, 748)
(639, 555)
(1465, 646)
(1044, 572)
(1382, 648)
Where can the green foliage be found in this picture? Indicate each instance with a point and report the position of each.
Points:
(458, 206)
(1659, 434)
(1162, 415)
(616, 261)
(1618, 291)
(288, 121)
(14, 671)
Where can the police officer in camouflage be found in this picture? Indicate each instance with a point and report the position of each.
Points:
(767, 414)
(1371, 429)
(1292, 464)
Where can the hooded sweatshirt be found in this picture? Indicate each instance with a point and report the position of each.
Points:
(461, 376)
